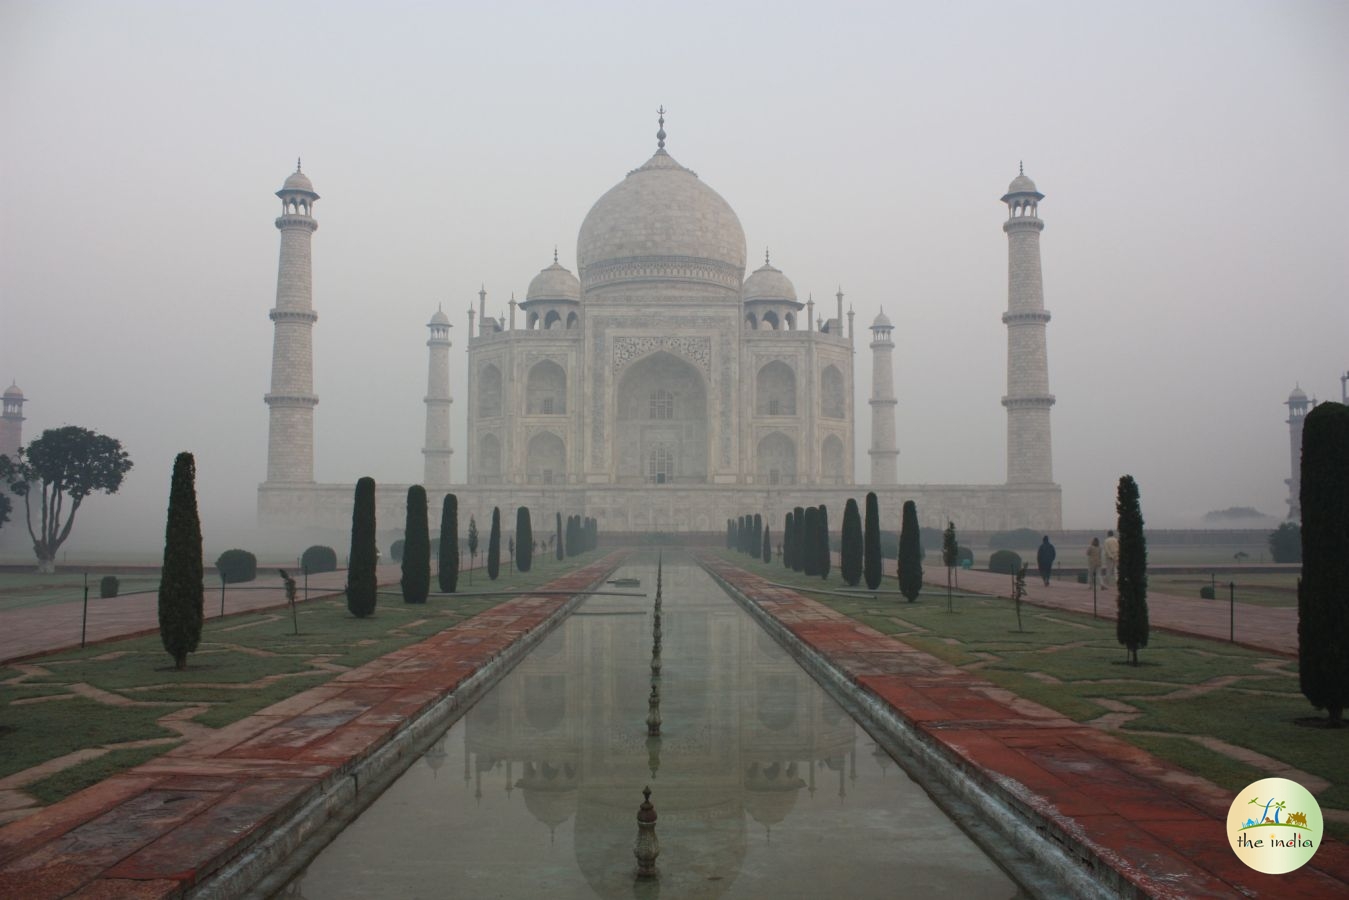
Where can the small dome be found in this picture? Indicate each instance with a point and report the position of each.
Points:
(440, 318)
(299, 181)
(13, 391)
(1298, 395)
(1022, 185)
(768, 283)
(882, 321)
(554, 283)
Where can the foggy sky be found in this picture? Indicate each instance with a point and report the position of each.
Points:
(1192, 158)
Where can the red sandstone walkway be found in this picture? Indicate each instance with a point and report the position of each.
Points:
(158, 829)
(1261, 627)
(56, 626)
(1161, 828)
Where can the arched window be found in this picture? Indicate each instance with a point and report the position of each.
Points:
(489, 392)
(546, 389)
(572, 321)
(662, 404)
(833, 399)
(660, 465)
(552, 320)
(752, 322)
(775, 390)
(770, 319)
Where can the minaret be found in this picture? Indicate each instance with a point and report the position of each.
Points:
(883, 452)
(11, 422)
(290, 436)
(1029, 449)
(1297, 413)
(437, 450)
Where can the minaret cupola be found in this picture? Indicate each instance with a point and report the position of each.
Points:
(770, 299)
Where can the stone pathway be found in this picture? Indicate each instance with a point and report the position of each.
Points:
(160, 828)
(42, 629)
(1160, 828)
(1260, 627)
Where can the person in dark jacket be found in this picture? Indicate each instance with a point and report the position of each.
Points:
(1044, 559)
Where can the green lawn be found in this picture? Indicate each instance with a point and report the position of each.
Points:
(1261, 589)
(244, 663)
(19, 590)
(1068, 662)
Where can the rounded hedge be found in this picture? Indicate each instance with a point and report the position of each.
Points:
(318, 558)
(108, 586)
(237, 566)
(1008, 562)
(964, 555)
(396, 550)
(1206, 592)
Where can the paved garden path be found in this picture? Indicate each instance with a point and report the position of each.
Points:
(1160, 828)
(56, 626)
(1261, 627)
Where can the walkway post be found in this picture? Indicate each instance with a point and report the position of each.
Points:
(1093, 598)
(1232, 606)
(222, 595)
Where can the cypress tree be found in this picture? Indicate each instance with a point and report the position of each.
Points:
(787, 541)
(871, 543)
(767, 545)
(735, 533)
(416, 581)
(1131, 622)
(1323, 590)
(524, 540)
(910, 553)
(494, 546)
(364, 555)
(755, 536)
(799, 540)
(181, 595)
(558, 539)
(448, 557)
(730, 532)
(950, 557)
(594, 542)
(850, 549)
(810, 547)
(825, 563)
(472, 545)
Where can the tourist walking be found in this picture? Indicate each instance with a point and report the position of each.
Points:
(1044, 558)
(1094, 562)
(1111, 557)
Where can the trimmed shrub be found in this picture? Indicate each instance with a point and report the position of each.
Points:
(447, 573)
(364, 556)
(871, 543)
(237, 566)
(181, 594)
(1131, 619)
(558, 540)
(524, 540)
(416, 581)
(1323, 590)
(822, 543)
(910, 553)
(318, 558)
(800, 546)
(1205, 592)
(964, 555)
(108, 586)
(1007, 562)
(494, 545)
(810, 554)
(1285, 543)
(850, 544)
(767, 545)
(787, 533)
(397, 549)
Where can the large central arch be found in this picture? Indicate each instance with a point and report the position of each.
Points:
(661, 422)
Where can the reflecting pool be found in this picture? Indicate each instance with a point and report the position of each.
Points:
(764, 786)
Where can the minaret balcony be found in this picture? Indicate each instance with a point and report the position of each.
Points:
(293, 315)
(291, 220)
(1026, 317)
(1042, 402)
(1023, 223)
(294, 401)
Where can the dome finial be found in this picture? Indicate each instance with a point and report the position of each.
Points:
(765, 256)
(297, 163)
(660, 135)
(1021, 167)
(555, 254)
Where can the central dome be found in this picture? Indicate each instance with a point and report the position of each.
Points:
(661, 223)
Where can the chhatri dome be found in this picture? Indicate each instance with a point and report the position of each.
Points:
(1022, 184)
(554, 283)
(299, 181)
(768, 283)
(661, 222)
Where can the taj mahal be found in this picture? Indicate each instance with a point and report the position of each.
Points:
(659, 389)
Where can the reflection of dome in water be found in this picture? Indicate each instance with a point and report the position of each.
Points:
(771, 791)
(706, 839)
(550, 792)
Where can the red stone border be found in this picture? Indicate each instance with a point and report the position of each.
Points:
(178, 820)
(1117, 808)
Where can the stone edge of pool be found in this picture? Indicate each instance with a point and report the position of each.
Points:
(218, 816)
(1065, 797)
